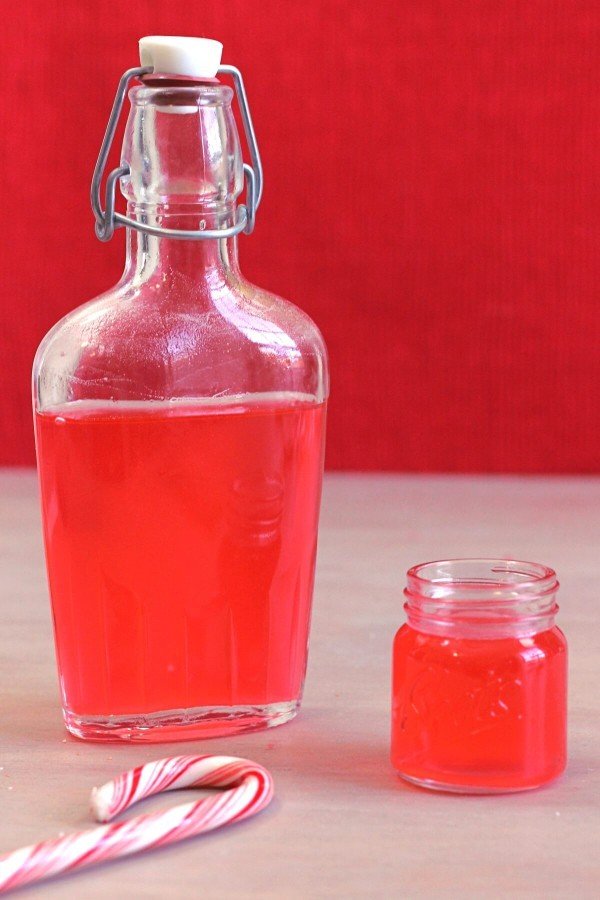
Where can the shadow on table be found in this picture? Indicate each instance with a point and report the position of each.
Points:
(316, 748)
(31, 717)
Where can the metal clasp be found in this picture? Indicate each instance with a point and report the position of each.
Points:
(107, 219)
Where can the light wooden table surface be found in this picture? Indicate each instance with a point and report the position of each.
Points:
(342, 824)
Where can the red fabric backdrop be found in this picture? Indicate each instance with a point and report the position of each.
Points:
(431, 199)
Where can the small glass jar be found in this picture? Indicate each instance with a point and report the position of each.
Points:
(480, 678)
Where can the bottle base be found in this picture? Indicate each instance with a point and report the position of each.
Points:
(180, 724)
(431, 785)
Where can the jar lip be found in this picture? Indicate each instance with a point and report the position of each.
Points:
(481, 597)
(484, 576)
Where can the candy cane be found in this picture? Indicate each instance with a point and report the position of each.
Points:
(250, 789)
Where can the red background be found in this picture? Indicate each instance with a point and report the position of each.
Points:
(431, 199)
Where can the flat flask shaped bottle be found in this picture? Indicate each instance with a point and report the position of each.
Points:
(180, 422)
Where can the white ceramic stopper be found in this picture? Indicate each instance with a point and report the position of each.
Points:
(195, 57)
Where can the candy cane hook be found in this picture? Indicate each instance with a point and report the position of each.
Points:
(248, 789)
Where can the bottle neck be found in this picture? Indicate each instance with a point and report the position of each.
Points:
(150, 257)
(185, 172)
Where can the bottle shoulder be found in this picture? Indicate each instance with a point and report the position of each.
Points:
(174, 337)
(241, 304)
(284, 315)
(79, 319)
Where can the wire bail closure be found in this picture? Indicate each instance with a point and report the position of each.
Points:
(108, 219)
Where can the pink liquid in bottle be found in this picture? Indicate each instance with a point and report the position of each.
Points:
(180, 541)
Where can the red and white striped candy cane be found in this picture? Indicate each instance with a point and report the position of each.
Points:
(248, 789)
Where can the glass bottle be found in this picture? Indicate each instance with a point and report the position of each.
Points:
(480, 677)
(180, 424)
